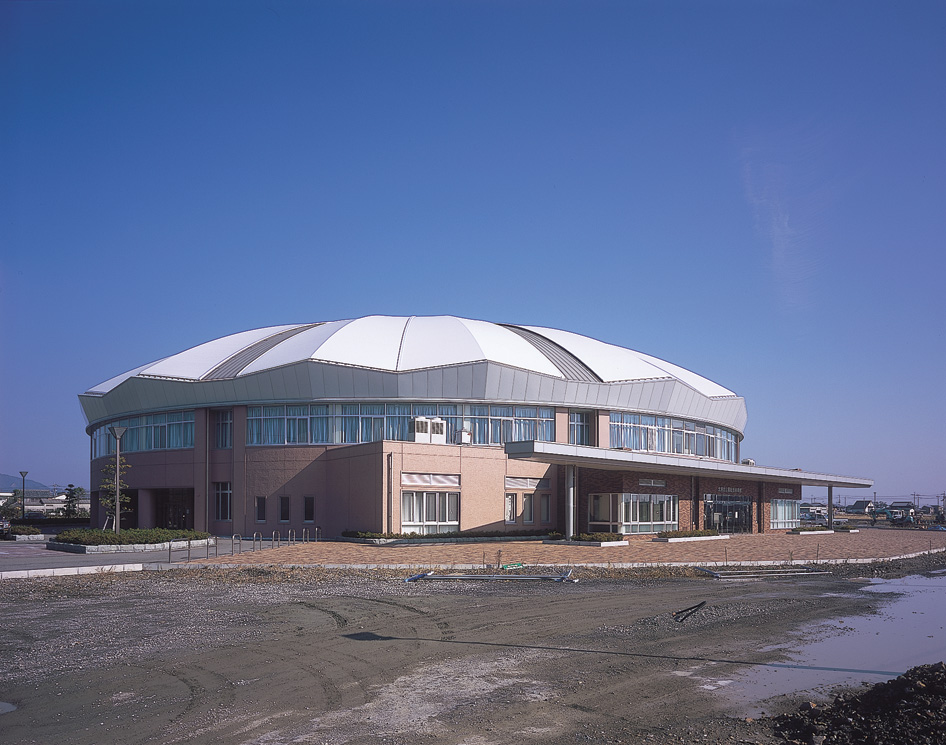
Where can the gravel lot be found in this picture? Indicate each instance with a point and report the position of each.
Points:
(315, 656)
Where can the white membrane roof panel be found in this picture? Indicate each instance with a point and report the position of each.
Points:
(613, 363)
(105, 387)
(609, 362)
(301, 346)
(373, 341)
(508, 348)
(194, 363)
(430, 341)
(703, 385)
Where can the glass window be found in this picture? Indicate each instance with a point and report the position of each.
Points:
(579, 428)
(632, 513)
(222, 501)
(786, 513)
(308, 509)
(545, 509)
(511, 513)
(261, 509)
(284, 503)
(297, 425)
(223, 430)
(527, 514)
(430, 512)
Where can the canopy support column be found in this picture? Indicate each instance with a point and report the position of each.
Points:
(569, 502)
(830, 507)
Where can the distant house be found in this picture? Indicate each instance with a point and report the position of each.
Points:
(904, 504)
(813, 508)
(861, 507)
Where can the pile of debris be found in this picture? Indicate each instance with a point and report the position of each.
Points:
(909, 709)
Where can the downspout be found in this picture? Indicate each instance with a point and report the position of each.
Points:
(569, 502)
(207, 471)
(390, 492)
(695, 500)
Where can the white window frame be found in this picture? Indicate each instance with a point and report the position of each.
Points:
(430, 512)
(260, 501)
(223, 502)
(528, 508)
(510, 511)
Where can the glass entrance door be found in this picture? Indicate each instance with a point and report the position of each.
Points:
(727, 515)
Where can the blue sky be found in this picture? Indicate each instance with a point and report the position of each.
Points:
(752, 190)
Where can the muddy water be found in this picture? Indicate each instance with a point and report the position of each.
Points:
(909, 630)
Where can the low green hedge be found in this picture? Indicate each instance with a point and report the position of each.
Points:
(131, 536)
(810, 529)
(24, 530)
(687, 533)
(598, 537)
(441, 536)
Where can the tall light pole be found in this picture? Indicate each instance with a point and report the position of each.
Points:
(117, 433)
(23, 495)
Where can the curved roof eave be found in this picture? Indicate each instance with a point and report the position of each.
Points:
(475, 382)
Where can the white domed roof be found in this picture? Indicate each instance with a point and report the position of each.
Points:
(408, 343)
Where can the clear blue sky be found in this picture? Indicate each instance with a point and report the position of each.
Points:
(752, 190)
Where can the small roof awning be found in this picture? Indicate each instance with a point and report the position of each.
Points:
(626, 460)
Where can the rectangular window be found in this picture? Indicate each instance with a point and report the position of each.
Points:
(786, 513)
(653, 482)
(223, 430)
(511, 512)
(297, 425)
(545, 508)
(261, 509)
(428, 513)
(632, 513)
(222, 501)
(284, 509)
(308, 509)
(579, 428)
(527, 515)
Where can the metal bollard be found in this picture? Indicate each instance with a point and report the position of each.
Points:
(234, 539)
(259, 536)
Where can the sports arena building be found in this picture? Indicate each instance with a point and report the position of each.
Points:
(431, 425)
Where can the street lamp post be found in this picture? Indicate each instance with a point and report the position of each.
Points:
(23, 495)
(117, 433)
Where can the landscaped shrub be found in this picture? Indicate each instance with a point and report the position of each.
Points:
(131, 536)
(599, 537)
(24, 530)
(687, 533)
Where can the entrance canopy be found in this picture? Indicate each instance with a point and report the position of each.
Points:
(625, 460)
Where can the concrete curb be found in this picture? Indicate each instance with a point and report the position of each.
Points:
(115, 568)
(76, 548)
(72, 571)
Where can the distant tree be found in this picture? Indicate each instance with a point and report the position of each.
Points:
(11, 507)
(74, 495)
(107, 488)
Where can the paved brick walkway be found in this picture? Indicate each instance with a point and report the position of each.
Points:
(867, 545)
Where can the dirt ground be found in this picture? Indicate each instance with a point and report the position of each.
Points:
(313, 656)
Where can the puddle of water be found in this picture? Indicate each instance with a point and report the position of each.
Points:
(908, 631)
(6, 708)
